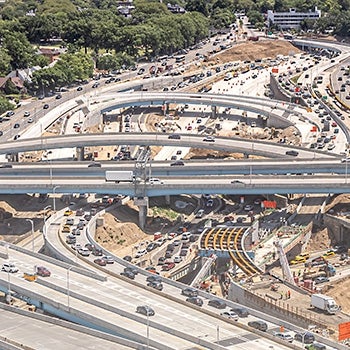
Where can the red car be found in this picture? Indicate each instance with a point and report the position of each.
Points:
(168, 266)
(43, 271)
(101, 262)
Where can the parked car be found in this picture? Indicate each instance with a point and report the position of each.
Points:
(168, 266)
(46, 106)
(195, 300)
(68, 212)
(145, 310)
(230, 315)
(260, 325)
(71, 239)
(43, 271)
(321, 279)
(217, 303)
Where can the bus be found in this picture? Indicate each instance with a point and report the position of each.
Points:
(180, 58)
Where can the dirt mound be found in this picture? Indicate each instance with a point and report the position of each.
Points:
(256, 50)
(320, 240)
(340, 291)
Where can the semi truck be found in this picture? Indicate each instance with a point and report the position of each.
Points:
(120, 176)
(324, 303)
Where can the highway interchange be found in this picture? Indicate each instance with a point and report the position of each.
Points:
(197, 325)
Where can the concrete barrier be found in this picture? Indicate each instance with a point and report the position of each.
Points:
(75, 327)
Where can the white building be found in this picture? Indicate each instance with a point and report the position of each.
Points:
(291, 19)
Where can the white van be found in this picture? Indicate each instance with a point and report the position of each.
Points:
(141, 253)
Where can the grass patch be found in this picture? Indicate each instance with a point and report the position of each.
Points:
(165, 213)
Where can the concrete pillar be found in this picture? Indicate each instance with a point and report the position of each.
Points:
(13, 157)
(213, 111)
(167, 199)
(80, 153)
(142, 203)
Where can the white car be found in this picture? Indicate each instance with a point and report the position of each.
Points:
(84, 251)
(155, 181)
(141, 253)
(210, 203)
(177, 259)
(284, 336)
(230, 315)
(248, 207)
(199, 213)
(9, 267)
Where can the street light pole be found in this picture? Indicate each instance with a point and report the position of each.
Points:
(147, 330)
(54, 198)
(32, 224)
(68, 288)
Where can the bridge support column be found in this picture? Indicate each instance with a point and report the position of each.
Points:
(12, 157)
(167, 199)
(214, 111)
(80, 153)
(142, 203)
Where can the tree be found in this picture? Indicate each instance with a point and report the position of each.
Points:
(5, 105)
(5, 62)
(197, 6)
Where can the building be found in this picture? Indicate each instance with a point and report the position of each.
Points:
(291, 19)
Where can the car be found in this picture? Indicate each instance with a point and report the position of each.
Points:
(16, 125)
(145, 310)
(70, 221)
(5, 165)
(195, 300)
(217, 303)
(259, 325)
(58, 96)
(248, 207)
(190, 292)
(1, 133)
(321, 279)
(154, 278)
(284, 336)
(210, 203)
(109, 259)
(230, 315)
(237, 182)
(46, 106)
(177, 163)
(128, 274)
(16, 137)
(96, 251)
(9, 267)
(100, 261)
(30, 120)
(26, 114)
(304, 337)
(10, 113)
(292, 153)
(43, 271)
(177, 259)
(161, 260)
(71, 239)
(199, 213)
(240, 311)
(76, 246)
(155, 181)
(316, 346)
(168, 266)
(66, 229)
(68, 212)
(84, 252)
(141, 253)
(328, 254)
(209, 139)
(132, 269)
(79, 88)
(174, 137)
(156, 285)
(95, 165)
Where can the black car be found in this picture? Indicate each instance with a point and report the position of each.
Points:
(128, 274)
(16, 125)
(195, 300)
(46, 106)
(145, 310)
(155, 285)
(154, 278)
(94, 165)
(190, 292)
(177, 163)
(174, 137)
(58, 97)
(131, 269)
(292, 153)
(127, 258)
(217, 303)
(240, 311)
(305, 337)
(260, 325)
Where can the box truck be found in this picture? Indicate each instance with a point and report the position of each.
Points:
(324, 303)
(120, 176)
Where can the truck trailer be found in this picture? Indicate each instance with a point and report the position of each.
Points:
(324, 303)
(120, 176)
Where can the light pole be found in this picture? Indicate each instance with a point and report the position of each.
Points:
(44, 226)
(32, 224)
(8, 297)
(217, 333)
(68, 290)
(54, 198)
(147, 328)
